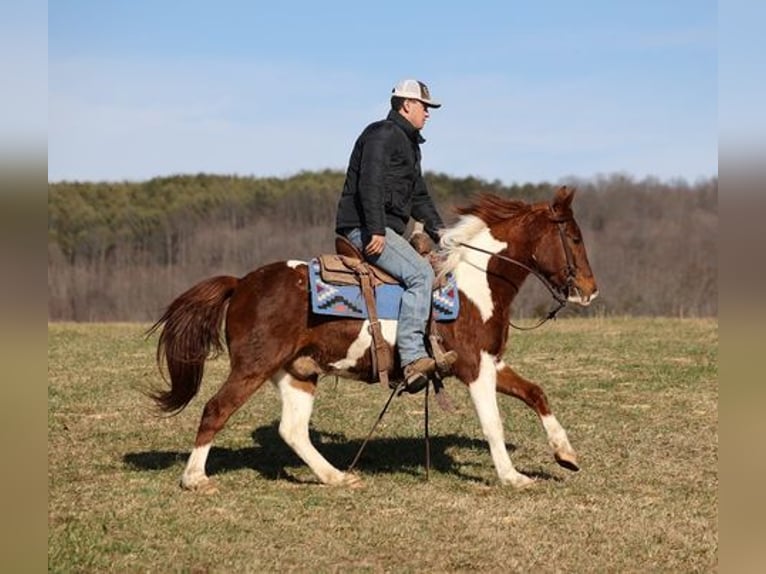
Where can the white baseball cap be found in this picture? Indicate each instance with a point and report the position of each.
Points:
(414, 90)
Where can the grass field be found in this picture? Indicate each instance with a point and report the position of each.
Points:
(638, 397)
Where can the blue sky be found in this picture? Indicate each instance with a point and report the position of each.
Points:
(532, 91)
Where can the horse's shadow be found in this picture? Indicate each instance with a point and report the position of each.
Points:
(271, 457)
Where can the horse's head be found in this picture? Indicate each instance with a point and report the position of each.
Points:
(560, 254)
(542, 238)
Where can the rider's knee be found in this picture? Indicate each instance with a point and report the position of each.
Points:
(424, 273)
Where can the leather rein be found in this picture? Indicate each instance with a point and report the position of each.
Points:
(561, 300)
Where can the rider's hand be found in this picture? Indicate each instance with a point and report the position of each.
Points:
(376, 245)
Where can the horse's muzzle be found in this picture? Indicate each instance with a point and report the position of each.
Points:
(581, 297)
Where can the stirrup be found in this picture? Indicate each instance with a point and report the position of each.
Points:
(444, 360)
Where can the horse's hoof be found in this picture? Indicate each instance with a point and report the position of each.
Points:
(204, 486)
(523, 481)
(351, 480)
(520, 481)
(567, 460)
(343, 480)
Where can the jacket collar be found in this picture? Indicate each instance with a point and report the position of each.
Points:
(406, 126)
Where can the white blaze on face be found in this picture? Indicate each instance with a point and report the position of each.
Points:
(363, 342)
(294, 263)
(471, 271)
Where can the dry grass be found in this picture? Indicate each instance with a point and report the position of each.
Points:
(639, 398)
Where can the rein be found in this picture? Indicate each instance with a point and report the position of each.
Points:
(561, 300)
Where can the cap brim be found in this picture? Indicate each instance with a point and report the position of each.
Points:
(406, 96)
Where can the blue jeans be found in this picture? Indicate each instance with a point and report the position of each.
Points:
(401, 260)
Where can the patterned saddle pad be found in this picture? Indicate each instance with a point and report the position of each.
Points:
(348, 301)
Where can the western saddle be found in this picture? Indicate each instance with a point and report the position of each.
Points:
(348, 267)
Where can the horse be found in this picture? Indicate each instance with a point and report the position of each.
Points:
(271, 333)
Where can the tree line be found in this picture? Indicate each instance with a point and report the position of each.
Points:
(121, 251)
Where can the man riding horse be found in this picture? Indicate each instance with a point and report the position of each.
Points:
(384, 187)
(272, 333)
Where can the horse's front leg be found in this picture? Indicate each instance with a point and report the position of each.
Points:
(511, 383)
(484, 397)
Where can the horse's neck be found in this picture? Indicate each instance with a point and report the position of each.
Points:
(471, 273)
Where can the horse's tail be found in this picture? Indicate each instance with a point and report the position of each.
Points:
(191, 329)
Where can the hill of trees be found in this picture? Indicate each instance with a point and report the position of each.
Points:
(123, 251)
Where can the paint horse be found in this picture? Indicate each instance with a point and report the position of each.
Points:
(272, 335)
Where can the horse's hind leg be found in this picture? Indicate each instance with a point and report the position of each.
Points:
(511, 383)
(232, 395)
(297, 403)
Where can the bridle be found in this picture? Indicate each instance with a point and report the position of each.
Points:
(571, 269)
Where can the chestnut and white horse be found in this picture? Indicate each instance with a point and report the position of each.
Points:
(271, 333)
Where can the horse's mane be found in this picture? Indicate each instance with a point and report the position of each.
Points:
(486, 211)
(492, 208)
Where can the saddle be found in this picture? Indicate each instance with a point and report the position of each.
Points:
(348, 267)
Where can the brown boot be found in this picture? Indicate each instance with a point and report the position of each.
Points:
(416, 374)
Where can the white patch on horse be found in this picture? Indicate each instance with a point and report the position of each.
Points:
(297, 405)
(466, 227)
(557, 436)
(471, 271)
(484, 395)
(294, 263)
(362, 342)
(194, 473)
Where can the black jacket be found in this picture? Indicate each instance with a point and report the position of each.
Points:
(384, 184)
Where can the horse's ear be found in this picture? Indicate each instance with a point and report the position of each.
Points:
(563, 200)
